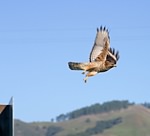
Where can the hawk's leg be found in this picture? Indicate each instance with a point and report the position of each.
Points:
(92, 73)
(85, 79)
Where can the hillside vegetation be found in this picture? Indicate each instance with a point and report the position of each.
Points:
(94, 109)
(133, 120)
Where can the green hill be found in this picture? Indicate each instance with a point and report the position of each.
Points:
(135, 121)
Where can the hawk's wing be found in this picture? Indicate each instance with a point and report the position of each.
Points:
(101, 45)
(112, 56)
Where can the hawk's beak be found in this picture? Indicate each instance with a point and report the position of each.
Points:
(115, 65)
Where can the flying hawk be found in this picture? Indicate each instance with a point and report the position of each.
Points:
(102, 56)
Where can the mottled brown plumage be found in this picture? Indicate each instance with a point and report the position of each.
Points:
(102, 57)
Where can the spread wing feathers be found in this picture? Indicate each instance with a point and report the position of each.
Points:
(81, 66)
(101, 45)
(112, 56)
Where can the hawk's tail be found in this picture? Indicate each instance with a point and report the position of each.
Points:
(77, 66)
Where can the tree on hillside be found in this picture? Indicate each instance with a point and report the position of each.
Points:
(146, 104)
(61, 117)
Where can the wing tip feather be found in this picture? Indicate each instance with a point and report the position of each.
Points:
(101, 28)
(115, 53)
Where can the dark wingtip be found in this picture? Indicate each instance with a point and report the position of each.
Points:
(104, 29)
(97, 29)
(101, 28)
(115, 53)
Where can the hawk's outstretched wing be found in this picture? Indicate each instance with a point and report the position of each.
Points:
(101, 45)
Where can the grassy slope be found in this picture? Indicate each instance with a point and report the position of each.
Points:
(26, 129)
(136, 122)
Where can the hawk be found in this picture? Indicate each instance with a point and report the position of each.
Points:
(102, 57)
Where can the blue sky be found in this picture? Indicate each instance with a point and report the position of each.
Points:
(39, 37)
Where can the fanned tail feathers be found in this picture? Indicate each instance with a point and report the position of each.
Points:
(77, 66)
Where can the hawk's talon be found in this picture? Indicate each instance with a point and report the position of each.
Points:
(83, 72)
(85, 79)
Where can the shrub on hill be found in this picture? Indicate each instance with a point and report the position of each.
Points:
(52, 130)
